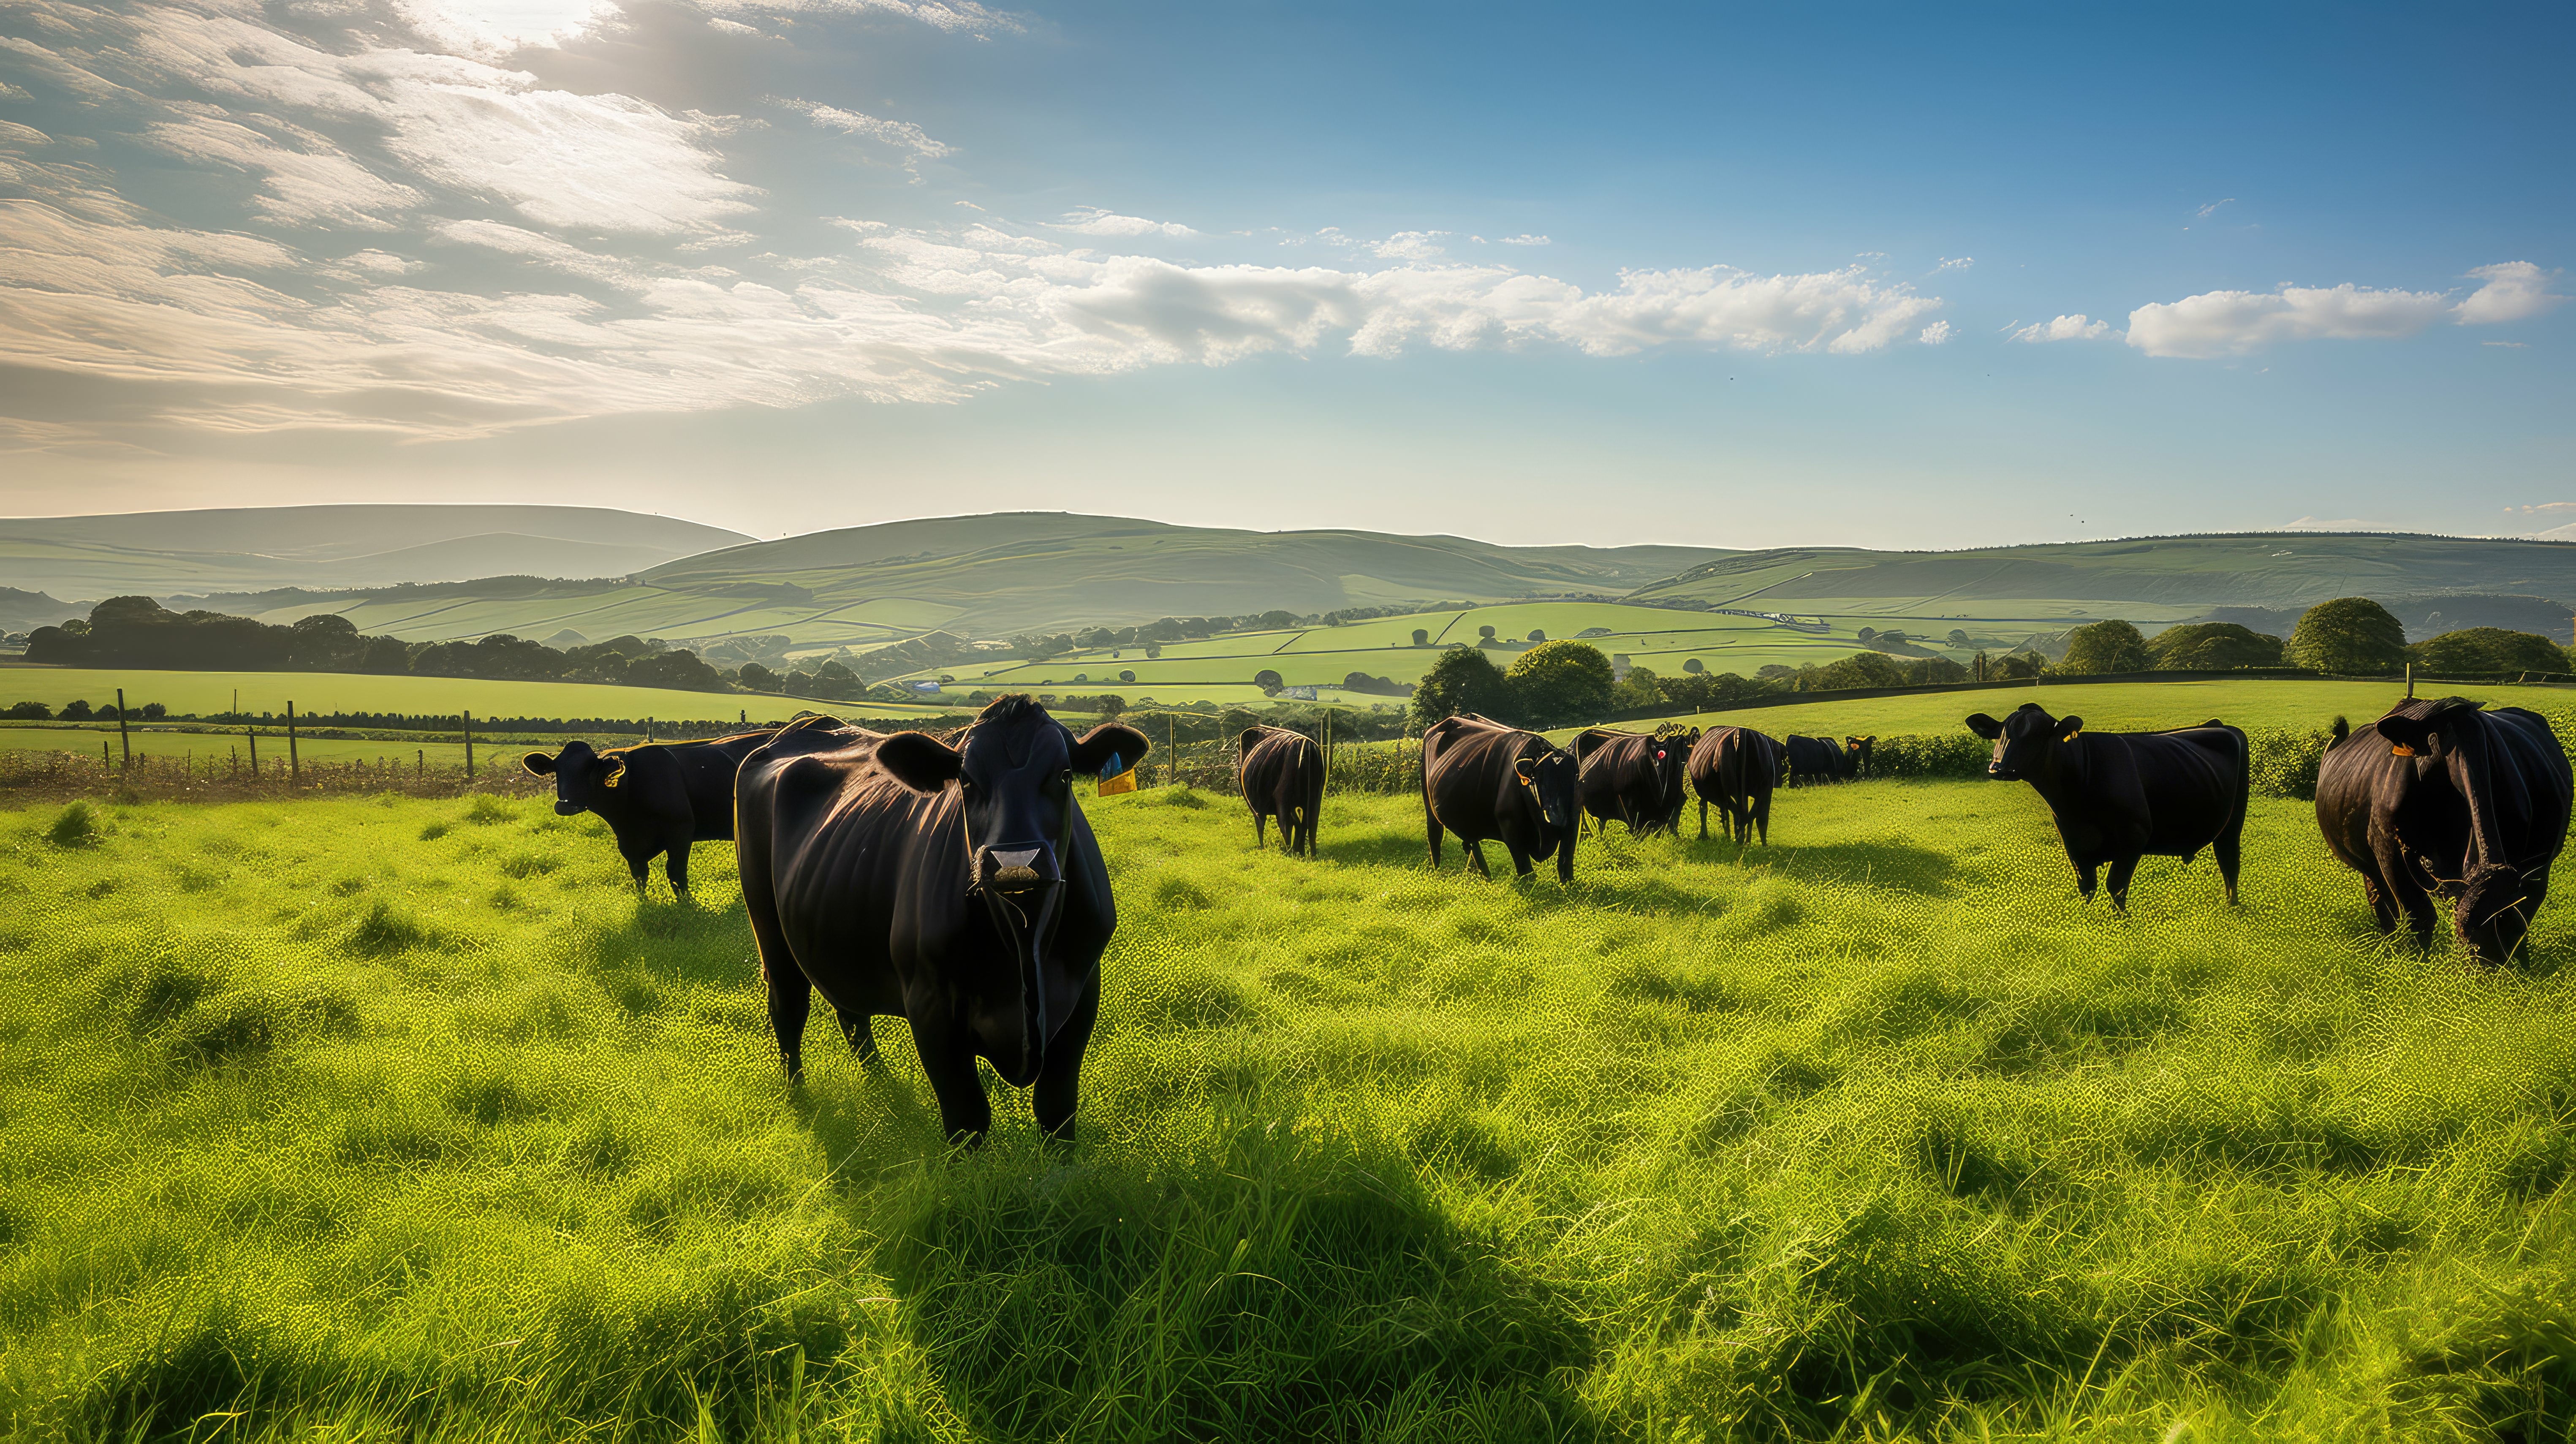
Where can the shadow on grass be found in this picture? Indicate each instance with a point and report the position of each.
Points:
(1281, 1286)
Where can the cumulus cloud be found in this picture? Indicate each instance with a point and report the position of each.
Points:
(1411, 246)
(1093, 221)
(1935, 334)
(1954, 263)
(2514, 291)
(2225, 323)
(1526, 240)
(2065, 328)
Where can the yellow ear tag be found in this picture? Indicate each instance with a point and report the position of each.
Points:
(2400, 750)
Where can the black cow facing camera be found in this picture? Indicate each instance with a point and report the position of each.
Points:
(657, 798)
(2121, 796)
(1484, 780)
(949, 881)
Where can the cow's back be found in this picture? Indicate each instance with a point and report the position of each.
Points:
(2180, 789)
(1464, 767)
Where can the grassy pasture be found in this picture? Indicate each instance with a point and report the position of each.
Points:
(391, 1118)
(2122, 706)
(209, 693)
(216, 747)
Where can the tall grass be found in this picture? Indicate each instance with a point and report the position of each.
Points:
(402, 1118)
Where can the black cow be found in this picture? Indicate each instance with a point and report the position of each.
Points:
(1736, 768)
(957, 887)
(1283, 776)
(658, 797)
(1484, 780)
(1630, 777)
(1813, 760)
(2120, 796)
(1856, 756)
(2441, 799)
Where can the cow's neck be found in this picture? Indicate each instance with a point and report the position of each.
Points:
(2060, 775)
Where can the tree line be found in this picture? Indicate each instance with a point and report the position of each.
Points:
(2349, 636)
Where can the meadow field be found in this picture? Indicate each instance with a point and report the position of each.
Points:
(400, 1119)
(2300, 706)
(213, 693)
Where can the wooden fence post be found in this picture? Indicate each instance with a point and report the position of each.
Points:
(294, 764)
(253, 734)
(123, 738)
(469, 745)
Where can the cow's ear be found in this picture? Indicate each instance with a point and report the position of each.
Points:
(919, 761)
(2406, 736)
(1986, 727)
(2067, 727)
(540, 763)
(612, 770)
(1094, 748)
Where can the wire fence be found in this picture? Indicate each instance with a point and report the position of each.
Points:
(209, 777)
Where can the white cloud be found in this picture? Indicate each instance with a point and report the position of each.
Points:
(961, 16)
(1411, 246)
(2221, 323)
(1093, 221)
(1935, 334)
(491, 29)
(320, 184)
(2514, 291)
(903, 135)
(1954, 263)
(734, 27)
(2508, 345)
(1527, 240)
(2078, 327)
(2211, 209)
(2311, 523)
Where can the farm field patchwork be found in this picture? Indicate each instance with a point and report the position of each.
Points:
(2120, 706)
(379, 1116)
(211, 693)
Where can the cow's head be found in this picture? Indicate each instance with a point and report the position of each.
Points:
(1555, 781)
(1860, 747)
(1014, 771)
(582, 776)
(2491, 909)
(2025, 742)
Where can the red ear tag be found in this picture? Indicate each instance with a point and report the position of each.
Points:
(1659, 754)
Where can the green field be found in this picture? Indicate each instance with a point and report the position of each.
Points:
(382, 1118)
(212, 693)
(203, 748)
(2119, 706)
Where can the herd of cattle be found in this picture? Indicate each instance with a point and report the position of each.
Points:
(954, 882)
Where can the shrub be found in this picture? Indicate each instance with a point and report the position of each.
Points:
(2213, 646)
(2112, 646)
(2284, 763)
(2354, 636)
(1463, 679)
(2489, 649)
(1554, 683)
(76, 826)
(1936, 754)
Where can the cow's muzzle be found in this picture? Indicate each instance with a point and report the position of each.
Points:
(568, 809)
(2001, 773)
(1023, 891)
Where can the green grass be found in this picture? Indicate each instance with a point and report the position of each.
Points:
(379, 1119)
(202, 747)
(2121, 706)
(212, 693)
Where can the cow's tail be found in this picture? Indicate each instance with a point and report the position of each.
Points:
(2341, 729)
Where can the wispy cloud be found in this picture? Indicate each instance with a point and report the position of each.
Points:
(2078, 327)
(1525, 240)
(902, 136)
(1954, 263)
(2211, 209)
(1094, 221)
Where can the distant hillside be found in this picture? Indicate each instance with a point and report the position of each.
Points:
(249, 549)
(2156, 579)
(1017, 571)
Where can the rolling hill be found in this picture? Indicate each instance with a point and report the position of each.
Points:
(250, 549)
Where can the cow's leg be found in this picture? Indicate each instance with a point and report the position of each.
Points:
(862, 1036)
(791, 998)
(1260, 838)
(1703, 819)
(1520, 859)
(1059, 1089)
(636, 864)
(675, 864)
(2383, 909)
(2229, 848)
(2121, 870)
(948, 1058)
(1564, 861)
(2084, 883)
(1476, 858)
(1762, 819)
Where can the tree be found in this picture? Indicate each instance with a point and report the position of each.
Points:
(1554, 683)
(2113, 646)
(2213, 646)
(1462, 679)
(1640, 688)
(1861, 669)
(1485, 633)
(2490, 649)
(1537, 635)
(1694, 665)
(757, 678)
(1958, 637)
(2351, 635)
(1269, 682)
(1422, 636)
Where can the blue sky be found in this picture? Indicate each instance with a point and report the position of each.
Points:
(1882, 276)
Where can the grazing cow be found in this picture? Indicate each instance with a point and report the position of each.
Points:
(658, 797)
(1630, 777)
(1484, 780)
(2442, 799)
(956, 886)
(1736, 768)
(1283, 777)
(1813, 760)
(1856, 756)
(2120, 796)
